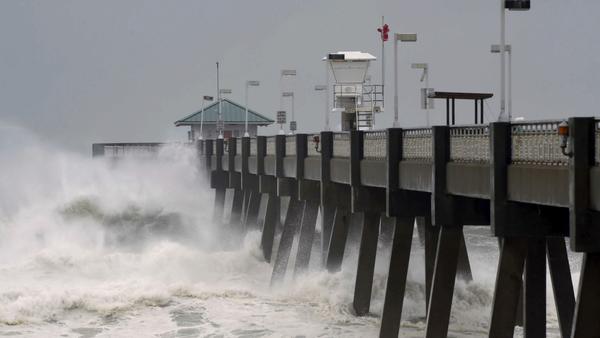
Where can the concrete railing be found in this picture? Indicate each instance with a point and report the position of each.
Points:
(375, 145)
(470, 144)
(311, 148)
(417, 144)
(253, 147)
(537, 143)
(341, 145)
(270, 145)
(290, 145)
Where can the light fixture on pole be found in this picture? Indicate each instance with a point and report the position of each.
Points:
(249, 83)
(284, 73)
(426, 102)
(204, 99)
(323, 88)
(512, 5)
(292, 122)
(508, 50)
(403, 38)
(281, 121)
(220, 122)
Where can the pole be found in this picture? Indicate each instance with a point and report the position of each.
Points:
(293, 119)
(510, 84)
(502, 116)
(326, 96)
(202, 118)
(395, 81)
(382, 65)
(246, 134)
(220, 123)
(426, 70)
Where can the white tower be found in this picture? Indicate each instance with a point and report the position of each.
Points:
(357, 101)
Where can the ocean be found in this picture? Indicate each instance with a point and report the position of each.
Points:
(102, 248)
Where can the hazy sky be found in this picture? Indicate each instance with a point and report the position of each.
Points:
(77, 72)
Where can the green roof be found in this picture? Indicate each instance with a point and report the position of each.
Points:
(232, 112)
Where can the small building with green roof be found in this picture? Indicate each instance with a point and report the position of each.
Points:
(234, 117)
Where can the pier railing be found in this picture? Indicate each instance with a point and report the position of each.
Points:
(537, 143)
(270, 146)
(119, 150)
(470, 144)
(417, 144)
(253, 147)
(341, 145)
(290, 145)
(375, 145)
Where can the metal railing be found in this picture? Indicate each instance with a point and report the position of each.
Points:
(253, 147)
(470, 144)
(537, 143)
(270, 145)
(290, 145)
(417, 144)
(598, 142)
(126, 149)
(341, 145)
(311, 147)
(375, 145)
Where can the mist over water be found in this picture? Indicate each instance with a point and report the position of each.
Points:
(98, 248)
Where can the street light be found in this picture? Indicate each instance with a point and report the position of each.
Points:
(284, 73)
(292, 122)
(323, 88)
(403, 38)
(220, 123)
(424, 77)
(249, 83)
(513, 5)
(204, 99)
(508, 50)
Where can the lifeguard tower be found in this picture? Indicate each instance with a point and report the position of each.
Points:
(356, 100)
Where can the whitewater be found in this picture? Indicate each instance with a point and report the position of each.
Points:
(97, 248)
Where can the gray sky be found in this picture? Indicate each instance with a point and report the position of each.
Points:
(77, 72)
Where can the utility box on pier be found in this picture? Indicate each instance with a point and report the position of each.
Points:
(356, 100)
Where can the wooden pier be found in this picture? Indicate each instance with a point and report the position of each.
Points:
(512, 177)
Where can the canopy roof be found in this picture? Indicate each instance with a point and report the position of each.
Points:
(232, 112)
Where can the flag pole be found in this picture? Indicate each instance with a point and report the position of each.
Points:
(382, 63)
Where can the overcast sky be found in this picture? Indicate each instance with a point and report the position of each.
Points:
(77, 72)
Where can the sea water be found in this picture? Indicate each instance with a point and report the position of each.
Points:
(105, 248)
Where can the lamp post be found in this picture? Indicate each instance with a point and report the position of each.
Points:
(249, 83)
(323, 88)
(512, 5)
(292, 122)
(220, 122)
(404, 38)
(286, 73)
(508, 50)
(204, 99)
(424, 77)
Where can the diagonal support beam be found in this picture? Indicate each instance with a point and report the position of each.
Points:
(396, 281)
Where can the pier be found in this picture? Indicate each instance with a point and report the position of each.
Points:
(512, 177)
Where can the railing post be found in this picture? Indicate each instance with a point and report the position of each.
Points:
(584, 232)
(500, 154)
(584, 226)
(394, 155)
